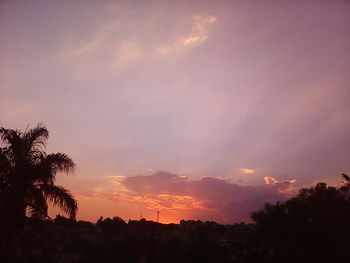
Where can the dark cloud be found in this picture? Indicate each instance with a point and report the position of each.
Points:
(220, 200)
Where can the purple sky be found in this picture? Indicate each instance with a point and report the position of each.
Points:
(235, 91)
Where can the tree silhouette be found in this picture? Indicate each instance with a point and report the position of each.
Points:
(311, 227)
(346, 186)
(27, 177)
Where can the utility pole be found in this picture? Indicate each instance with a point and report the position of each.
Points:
(157, 216)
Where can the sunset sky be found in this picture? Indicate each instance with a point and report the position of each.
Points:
(197, 109)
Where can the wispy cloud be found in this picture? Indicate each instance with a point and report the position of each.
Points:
(199, 30)
(127, 52)
(198, 34)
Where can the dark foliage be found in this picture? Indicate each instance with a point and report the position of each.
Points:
(314, 226)
(113, 240)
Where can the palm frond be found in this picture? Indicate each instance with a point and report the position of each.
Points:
(60, 197)
(41, 173)
(12, 138)
(45, 167)
(5, 162)
(59, 162)
(36, 138)
(36, 203)
(346, 177)
(8, 136)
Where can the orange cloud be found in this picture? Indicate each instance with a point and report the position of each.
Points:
(270, 180)
(168, 202)
(247, 170)
(284, 187)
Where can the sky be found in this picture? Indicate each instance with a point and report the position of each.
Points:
(196, 109)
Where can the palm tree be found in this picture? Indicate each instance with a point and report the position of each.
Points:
(27, 177)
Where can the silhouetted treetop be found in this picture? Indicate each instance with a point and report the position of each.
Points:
(317, 219)
(27, 176)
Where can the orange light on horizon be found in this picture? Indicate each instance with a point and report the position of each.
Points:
(128, 205)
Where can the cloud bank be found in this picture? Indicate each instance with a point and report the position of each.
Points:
(209, 198)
